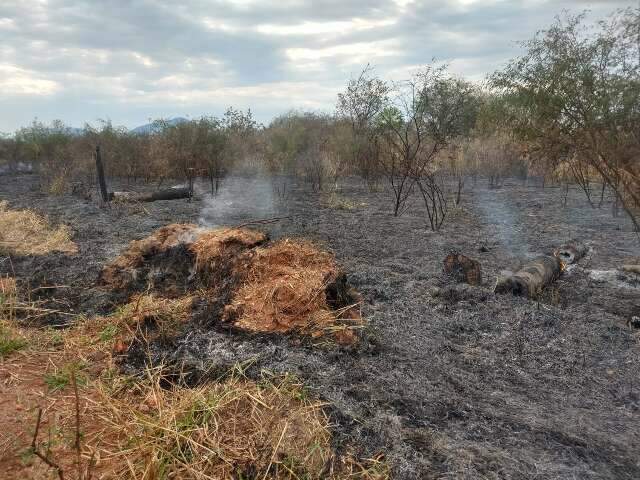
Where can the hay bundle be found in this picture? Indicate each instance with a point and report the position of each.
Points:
(289, 286)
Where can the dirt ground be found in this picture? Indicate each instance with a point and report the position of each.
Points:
(449, 381)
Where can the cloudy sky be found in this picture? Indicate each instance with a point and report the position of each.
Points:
(130, 60)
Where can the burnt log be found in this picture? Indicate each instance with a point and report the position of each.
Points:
(463, 269)
(631, 269)
(571, 252)
(167, 194)
(531, 279)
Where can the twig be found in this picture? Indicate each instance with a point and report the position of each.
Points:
(265, 221)
(76, 444)
(42, 457)
(275, 451)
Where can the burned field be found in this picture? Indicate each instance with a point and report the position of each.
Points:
(446, 379)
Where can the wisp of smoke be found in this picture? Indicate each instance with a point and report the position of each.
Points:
(505, 223)
(240, 199)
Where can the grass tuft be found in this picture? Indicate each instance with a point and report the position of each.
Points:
(10, 342)
(24, 232)
(233, 429)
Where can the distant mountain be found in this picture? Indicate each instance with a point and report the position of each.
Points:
(151, 128)
(76, 132)
(141, 130)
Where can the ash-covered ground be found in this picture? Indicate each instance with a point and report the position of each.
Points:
(449, 381)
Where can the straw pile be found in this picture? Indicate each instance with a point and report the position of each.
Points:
(169, 259)
(253, 286)
(286, 289)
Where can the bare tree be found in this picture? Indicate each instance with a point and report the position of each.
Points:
(425, 114)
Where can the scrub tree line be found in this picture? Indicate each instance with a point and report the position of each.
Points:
(567, 110)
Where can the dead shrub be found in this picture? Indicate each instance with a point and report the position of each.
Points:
(59, 185)
(24, 232)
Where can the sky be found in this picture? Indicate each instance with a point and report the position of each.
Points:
(132, 60)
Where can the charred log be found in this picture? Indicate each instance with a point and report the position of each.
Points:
(532, 278)
(631, 269)
(571, 252)
(167, 194)
(463, 269)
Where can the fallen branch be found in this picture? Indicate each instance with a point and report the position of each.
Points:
(39, 454)
(531, 279)
(168, 194)
(631, 269)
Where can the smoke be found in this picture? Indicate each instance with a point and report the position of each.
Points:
(239, 200)
(505, 223)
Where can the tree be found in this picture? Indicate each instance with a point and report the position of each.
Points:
(423, 116)
(360, 105)
(575, 94)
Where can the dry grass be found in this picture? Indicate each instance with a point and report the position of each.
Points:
(285, 290)
(24, 232)
(147, 317)
(280, 287)
(213, 247)
(339, 202)
(140, 428)
(233, 429)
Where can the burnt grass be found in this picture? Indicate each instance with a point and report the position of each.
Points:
(449, 380)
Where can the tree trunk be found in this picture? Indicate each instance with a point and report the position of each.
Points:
(531, 279)
(101, 181)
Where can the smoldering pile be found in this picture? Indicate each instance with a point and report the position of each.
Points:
(240, 281)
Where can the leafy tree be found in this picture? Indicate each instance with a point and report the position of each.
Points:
(575, 94)
(360, 105)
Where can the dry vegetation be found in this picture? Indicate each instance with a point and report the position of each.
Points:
(147, 428)
(69, 412)
(255, 286)
(24, 232)
(566, 111)
(430, 134)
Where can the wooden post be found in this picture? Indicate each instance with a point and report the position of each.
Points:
(190, 173)
(101, 181)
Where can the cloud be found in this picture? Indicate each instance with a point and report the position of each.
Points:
(130, 60)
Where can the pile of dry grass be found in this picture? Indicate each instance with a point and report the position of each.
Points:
(233, 429)
(148, 317)
(282, 287)
(286, 290)
(130, 270)
(168, 259)
(214, 247)
(24, 232)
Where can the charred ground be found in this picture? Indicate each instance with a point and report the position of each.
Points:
(450, 380)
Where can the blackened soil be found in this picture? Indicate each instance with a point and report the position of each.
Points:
(450, 381)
